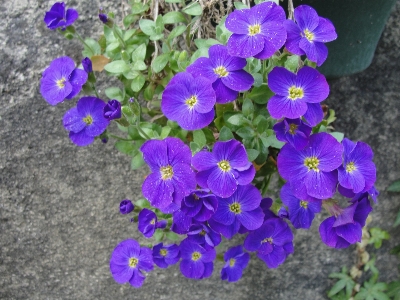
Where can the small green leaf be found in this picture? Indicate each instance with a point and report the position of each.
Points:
(91, 48)
(337, 135)
(158, 235)
(117, 67)
(248, 107)
(138, 8)
(139, 53)
(237, 120)
(194, 147)
(177, 31)
(159, 63)
(225, 134)
(126, 147)
(271, 141)
(149, 92)
(138, 83)
(338, 286)
(245, 132)
(222, 33)
(202, 52)
(142, 203)
(209, 135)
(258, 79)
(252, 154)
(394, 187)
(193, 9)
(173, 17)
(137, 161)
(292, 63)
(148, 26)
(199, 138)
(114, 93)
(172, 236)
(261, 94)
(377, 236)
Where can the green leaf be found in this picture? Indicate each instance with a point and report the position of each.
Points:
(202, 52)
(114, 93)
(237, 120)
(377, 236)
(225, 134)
(252, 154)
(172, 236)
(165, 132)
(205, 43)
(240, 5)
(139, 54)
(331, 118)
(338, 286)
(148, 27)
(173, 17)
(194, 147)
(394, 187)
(117, 67)
(292, 63)
(245, 132)
(159, 63)
(393, 290)
(248, 107)
(193, 9)
(142, 203)
(199, 138)
(138, 8)
(177, 31)
(91, 48)
(337, 135)
(261, 94)
(222, 33)
(258, 79)
(137, 161)
(209, 135)
(149, 92)
(126, 147)
(138, 83)
(158, 235)
(271, 141)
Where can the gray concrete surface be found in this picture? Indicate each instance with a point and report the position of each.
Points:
(59, 219)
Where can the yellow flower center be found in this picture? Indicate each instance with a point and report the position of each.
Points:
(235, 208)
(196, 256)
(254, 29)
(303, 204)
(163, 252)
(312, 163)
(293, 128)
(191, 101)
(166, 172)
(133, 262)
(203, 233)
(153, 221)
(267, 240)
(309, 35)
(88, 120)
(295, 93)
(232, 262)
(350, 167)
(224, 165)
(221, 71)
(61, 83)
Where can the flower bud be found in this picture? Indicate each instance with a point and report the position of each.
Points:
(112, 110)
(126, 206)
(87, 65)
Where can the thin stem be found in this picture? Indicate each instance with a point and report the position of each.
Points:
(94, 89)
(119, 138)
(140, 129)
(84, 43)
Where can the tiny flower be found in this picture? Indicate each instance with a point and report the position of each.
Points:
(294, 92)
(224, 71)
(103, 18)
(196, 263)
(223, 169)
(199, 205)
(172, 177)
(345, 228)
(257, 31)
(202, 234)
(85, 121)
(57, 16)
(312, 170)
(189, 101)
(301, 212)
(128, 261)
(148, 222)
(112, 110)
(126, 206)
(358, 172)
(61, 80)
(164, 256)
(273, 242)
(87, 65)
(242, 208)
(235, 262)
(308, 34)
(293, 131)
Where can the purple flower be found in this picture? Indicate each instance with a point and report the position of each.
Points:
(180, 222)
(273, 242)
(345, 228)
(293, 131)
(309, 34)
(164, 256)
(148, 222)
(222, 170)
(112, 110)
(301, 212)
(224, 71)
(172, 177)
(235, 262)
(202, 234)
(294, 92)
(358, 172)
(197, 263)
(257, 31)
(312, 170)
(242, 208)
(103, 18)
(189, 101)
(128, 261)
(199, 205)
(85, 121)
(61, 80)
(126, 206)
(87, 65)
(57, 16)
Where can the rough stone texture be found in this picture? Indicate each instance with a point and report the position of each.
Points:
(59, 217)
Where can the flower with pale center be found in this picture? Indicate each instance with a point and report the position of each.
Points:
(166, 172)
(133, 262)
(191, 101)
(303, 204)
(196, 256)
(254, 29)
(312, 163)
(88, 119)
(308, 34)
(267, 240)
(221, 71)
(163, 252)
(61, 83)
(292, 128)
(350, 167)
(235, 208)
(224, 165)
(295, 93)
(232, 262)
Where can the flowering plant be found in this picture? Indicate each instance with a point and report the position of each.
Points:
(216, 120)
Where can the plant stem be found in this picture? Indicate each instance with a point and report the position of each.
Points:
(119, 138)
(84, 43)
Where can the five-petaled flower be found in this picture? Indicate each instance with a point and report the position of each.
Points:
(235, 262)
(165, 255)
(57, 16)
(85, 121)
(148, 222)
(128, 261)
